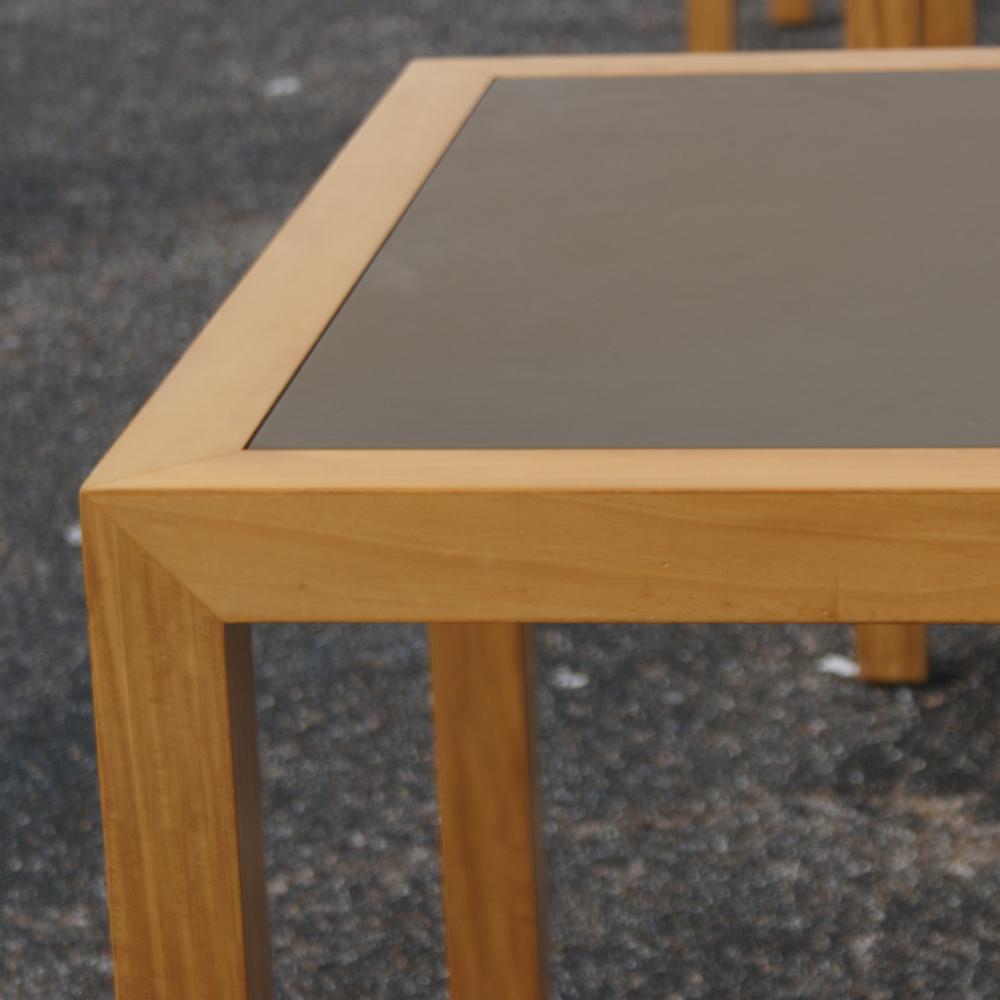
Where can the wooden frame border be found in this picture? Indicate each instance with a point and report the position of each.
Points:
(207, 407)
(825, 535)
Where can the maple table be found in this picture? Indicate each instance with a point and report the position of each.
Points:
(689, 338)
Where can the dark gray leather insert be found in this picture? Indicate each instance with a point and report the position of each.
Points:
(750, 261)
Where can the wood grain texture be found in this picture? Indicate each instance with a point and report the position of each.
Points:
(871, 24)
(790, 12)
(578, 470)
(504, 555)
(724, 63)
(891, 654)
(949, 22)
(208, 407)
(176, 738)
(491, 831)
(183, 531)
(711, 25)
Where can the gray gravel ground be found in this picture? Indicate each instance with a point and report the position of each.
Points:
(723, 819)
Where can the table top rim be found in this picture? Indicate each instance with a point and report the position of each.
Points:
(829, 471)
(204, 415)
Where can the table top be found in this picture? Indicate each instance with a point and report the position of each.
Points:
(740, 264)
(734, 261)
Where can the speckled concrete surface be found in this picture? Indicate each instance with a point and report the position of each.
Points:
(723, 819)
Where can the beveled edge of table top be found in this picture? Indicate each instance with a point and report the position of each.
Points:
(191, 434)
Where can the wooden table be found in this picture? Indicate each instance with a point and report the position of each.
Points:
(647, 338)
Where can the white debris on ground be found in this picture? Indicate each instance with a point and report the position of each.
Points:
(71, 535)
(569, 680)
(839, 666)
(282, 86)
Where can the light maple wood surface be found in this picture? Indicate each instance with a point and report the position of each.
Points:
(186, 536)
(711, 25)
(488, 68)
(180, 797)
(900, 23)
(208, 407)
(949, 22)
(892, 654)
(582, 470)
(790, 11)
(503, 555)
(883, 23)
(491, 830)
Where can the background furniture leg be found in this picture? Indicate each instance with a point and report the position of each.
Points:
(887, 654)
(949, 22)
(491, 837)
(891, 654)
(790, 11)
(896, 654)
(711, 25)
(875, 24)
(180, 786)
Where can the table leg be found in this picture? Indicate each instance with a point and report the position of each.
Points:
(790, 11)
(177, 752)
(875, 24)
(891, 654)
(949, 22)
(711, 25)
(897, 654)
(491, 838)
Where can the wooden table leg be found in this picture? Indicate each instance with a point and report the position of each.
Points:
(177, 751)
(876, 24)
(949, 22)
(491, 838)
(711, 25)
(891, 654)
(897, 654)
(790, 11)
